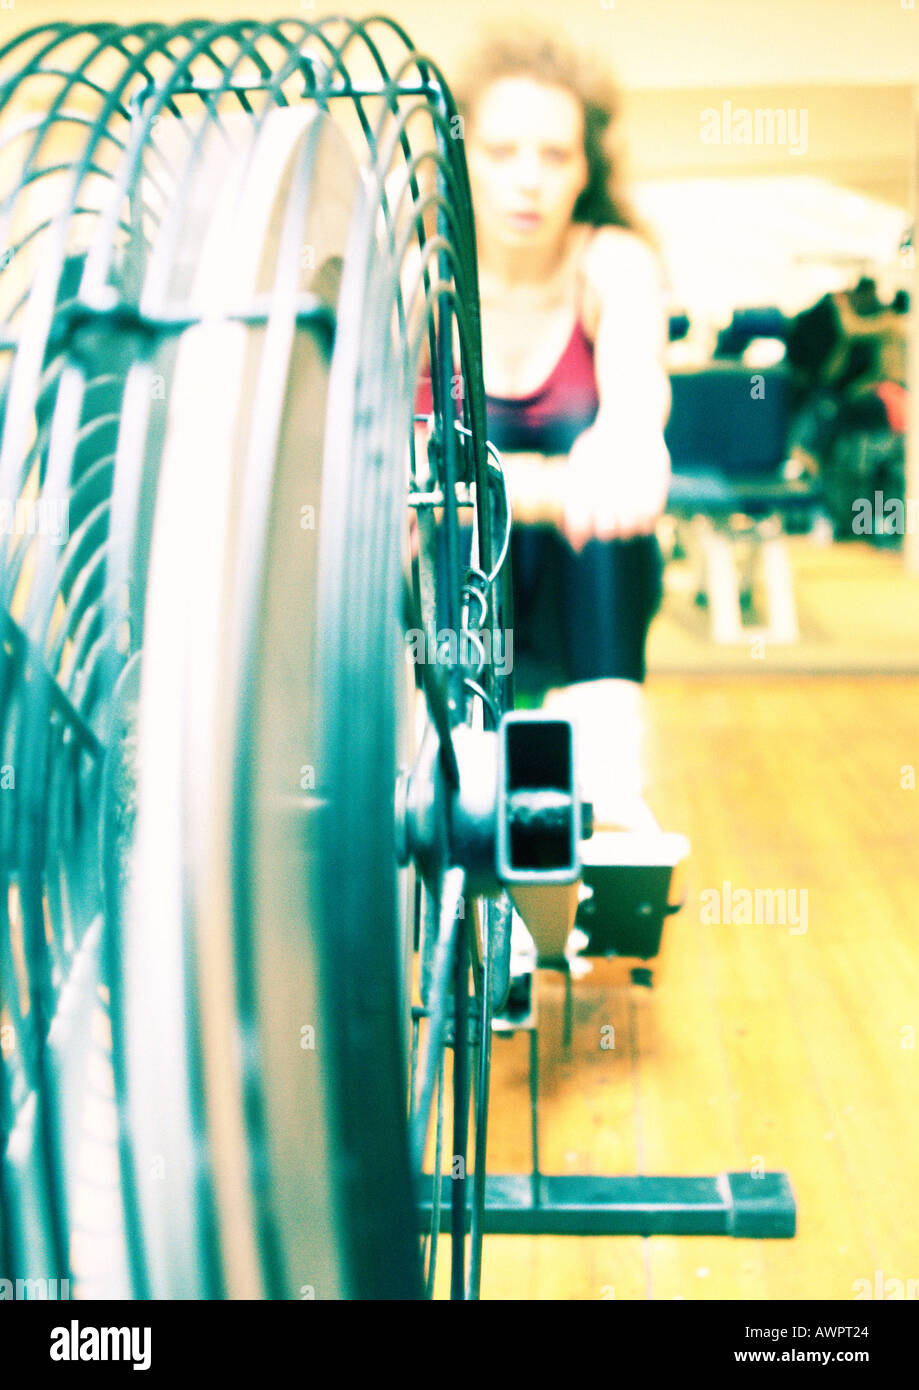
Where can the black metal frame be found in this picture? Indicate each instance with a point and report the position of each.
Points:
(746, 1205)
(743, 1205)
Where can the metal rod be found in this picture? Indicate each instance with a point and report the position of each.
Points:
(28, 651)
(534, 1111)
(744, 1206)
(124, 317)
(437, 1183)
(441, 979)
(460, 1117)
(483, 1088)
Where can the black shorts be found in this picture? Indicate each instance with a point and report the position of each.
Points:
(585, 616)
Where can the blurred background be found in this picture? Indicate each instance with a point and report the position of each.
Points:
(773, 150)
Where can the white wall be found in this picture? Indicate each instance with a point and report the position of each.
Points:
(651, 43)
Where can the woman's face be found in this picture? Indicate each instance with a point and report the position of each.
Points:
(527, 166)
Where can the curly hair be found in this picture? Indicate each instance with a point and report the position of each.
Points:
(603, 202)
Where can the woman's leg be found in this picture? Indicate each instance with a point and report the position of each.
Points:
(607, 716)
(613, 590)
(602, 603)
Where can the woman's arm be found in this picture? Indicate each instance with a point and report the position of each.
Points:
(619, 468)
(537, 485)
(614, 482)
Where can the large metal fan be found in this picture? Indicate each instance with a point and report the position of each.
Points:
(253, 858)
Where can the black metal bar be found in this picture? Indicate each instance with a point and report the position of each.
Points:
(534, 1110)
(204, 90)
(733, 1204)
(568, 1025)
(482, 1093)
(27, 650)
(461, 1076)
(434, 1227)
(448, 924)
(445, 368)
(125, 317)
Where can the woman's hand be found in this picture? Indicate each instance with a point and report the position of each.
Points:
(536, 483)
(619, 469)
(590, 493)
(611, 491)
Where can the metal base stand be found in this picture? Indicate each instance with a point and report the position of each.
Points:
(745, 1205)
(732, 1204)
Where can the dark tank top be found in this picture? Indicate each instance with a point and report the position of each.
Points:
(581, 616)
(549, 420)
(577, 616)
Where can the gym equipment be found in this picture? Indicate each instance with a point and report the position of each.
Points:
(729, 492)
(632, 883)
(228, 243)
(257, 862)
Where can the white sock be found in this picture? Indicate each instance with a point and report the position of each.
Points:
(608, 720)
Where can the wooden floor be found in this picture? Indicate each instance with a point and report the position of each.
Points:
(857, 610)
(759, 1045)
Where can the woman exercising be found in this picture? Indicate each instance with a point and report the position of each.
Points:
(573, 324)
